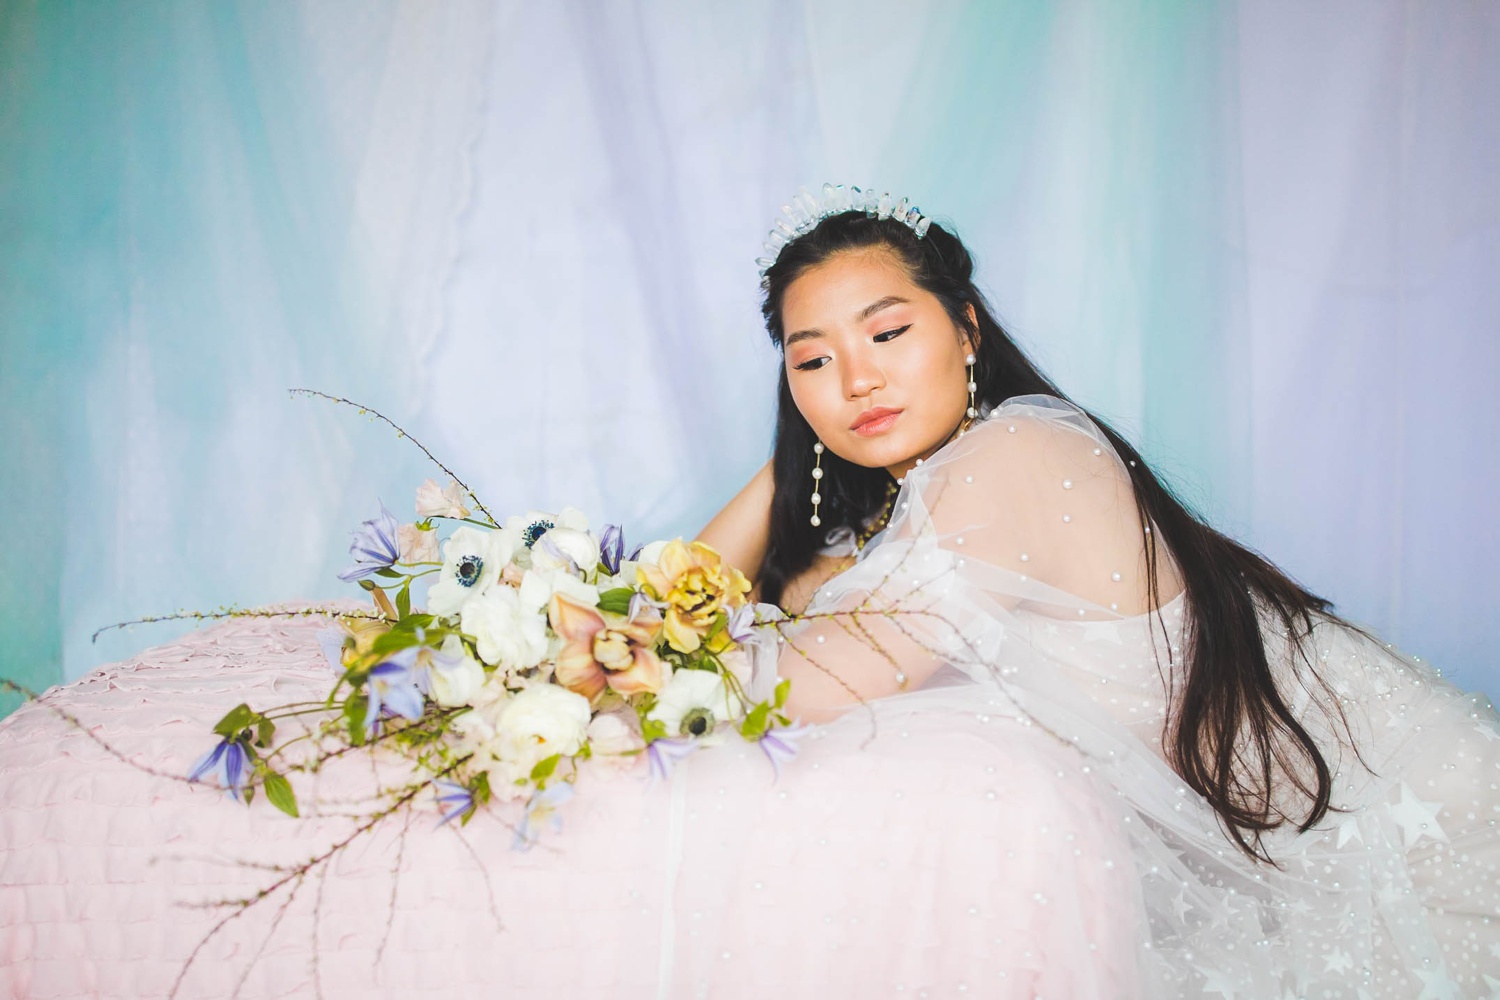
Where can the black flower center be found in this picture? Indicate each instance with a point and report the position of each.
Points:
(535, 530)
(697, 722)
(469, 568)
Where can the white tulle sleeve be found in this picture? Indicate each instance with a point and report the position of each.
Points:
(1030, 510)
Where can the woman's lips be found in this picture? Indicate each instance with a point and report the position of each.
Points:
(876, 421)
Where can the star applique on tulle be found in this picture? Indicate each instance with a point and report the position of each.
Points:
(1417, 818)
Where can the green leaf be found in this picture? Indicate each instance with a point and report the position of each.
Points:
(653, 730)
(480, 787)
(756, 722)
(721, 622)
(544, 768)
(347, 677)
(265, 730)
(389, 573)
(616, 600)
(249, 794)
(410, 623)
(239, 717)
(403, 599)
(782, 690)
(279, 792)
(354, 712)
(392, 641)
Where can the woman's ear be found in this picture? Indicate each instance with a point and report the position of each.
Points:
(971, 335)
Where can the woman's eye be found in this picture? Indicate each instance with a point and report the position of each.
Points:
(882, 337)
(811, 364)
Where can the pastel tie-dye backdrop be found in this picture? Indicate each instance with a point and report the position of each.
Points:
(1263, 238)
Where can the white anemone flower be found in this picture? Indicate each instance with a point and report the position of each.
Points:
(693, 703)
(566, 549)
(529, 529)
(472, 560)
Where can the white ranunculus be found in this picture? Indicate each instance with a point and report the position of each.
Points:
(472, 560)
(542, 720)
(573, 519)
(538, 586)
(693, 703)
(507, 634)
(615, 739)
(651, 553)
(455, 676)
(481, 741)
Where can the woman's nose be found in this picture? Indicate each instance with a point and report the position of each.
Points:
(861, 376)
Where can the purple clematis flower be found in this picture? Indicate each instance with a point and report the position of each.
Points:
(541, 810)
(664, 755)
(331, 641)
(395, 688)
(229, 762)
(375, 547)
(454, 800)
(780, 745)
(612, 548)
(742, 623)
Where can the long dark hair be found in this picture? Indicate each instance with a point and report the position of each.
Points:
(1230, 734)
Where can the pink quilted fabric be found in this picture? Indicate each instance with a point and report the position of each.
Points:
(865, 870)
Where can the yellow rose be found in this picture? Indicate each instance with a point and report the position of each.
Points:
(696, 584)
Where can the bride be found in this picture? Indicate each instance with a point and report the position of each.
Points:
(1069, 742)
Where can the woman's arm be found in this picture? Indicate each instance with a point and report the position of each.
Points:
(741, 531)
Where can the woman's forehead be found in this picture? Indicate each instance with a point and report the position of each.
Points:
(837, 290)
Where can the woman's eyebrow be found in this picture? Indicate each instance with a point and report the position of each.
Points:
(877, 305)
(863, 314)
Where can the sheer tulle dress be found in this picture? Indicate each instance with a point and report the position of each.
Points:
(986, 811)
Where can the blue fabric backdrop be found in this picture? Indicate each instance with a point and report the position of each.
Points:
(1262, 237)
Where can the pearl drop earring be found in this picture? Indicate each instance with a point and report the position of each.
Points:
(817, 475)
(973, 387)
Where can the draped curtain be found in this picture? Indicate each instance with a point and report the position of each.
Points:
(1259, 238)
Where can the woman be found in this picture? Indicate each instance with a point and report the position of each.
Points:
(1313, 815)
(987, 809)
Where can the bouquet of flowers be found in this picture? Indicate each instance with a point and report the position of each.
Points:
(542, 646)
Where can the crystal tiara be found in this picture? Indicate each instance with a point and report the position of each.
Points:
(807, 210)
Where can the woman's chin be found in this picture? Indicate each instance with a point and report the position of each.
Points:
(879, 453)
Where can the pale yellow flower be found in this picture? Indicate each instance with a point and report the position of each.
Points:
(696, 584)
